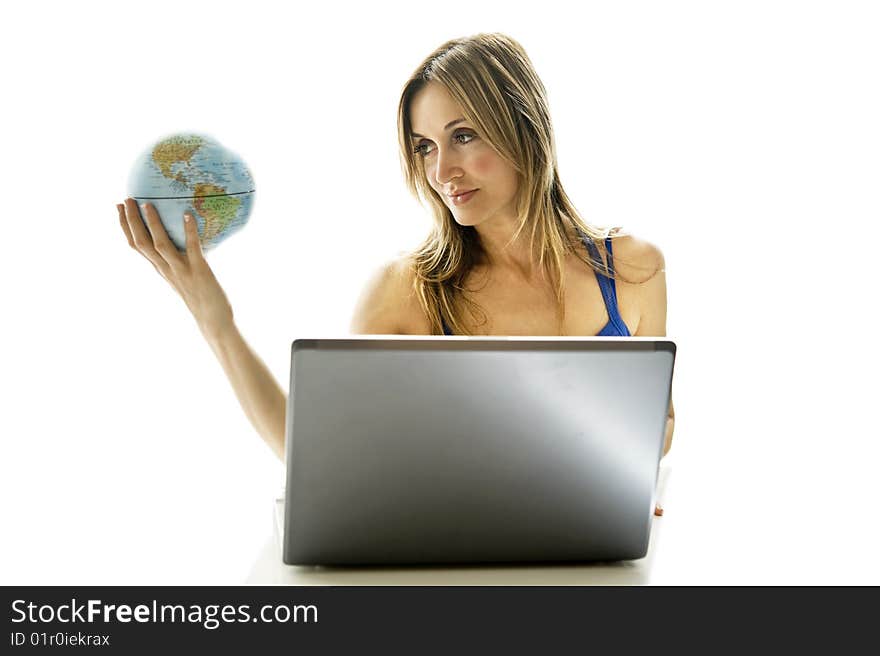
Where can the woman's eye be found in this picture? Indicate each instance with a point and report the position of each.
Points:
(425, 149)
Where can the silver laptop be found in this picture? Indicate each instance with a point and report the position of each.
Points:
(429, 450)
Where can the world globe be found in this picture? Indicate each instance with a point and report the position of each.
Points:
(194, 173)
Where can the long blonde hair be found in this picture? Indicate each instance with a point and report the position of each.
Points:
(492, 79)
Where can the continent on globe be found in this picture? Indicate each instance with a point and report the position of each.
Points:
(169, 151)
(194, 173)
(217, 207)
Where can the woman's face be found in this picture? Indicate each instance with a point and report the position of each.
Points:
(458, 160)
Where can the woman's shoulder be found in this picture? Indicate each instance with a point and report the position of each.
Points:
(388, 304)
(636, 260)
(641, 269)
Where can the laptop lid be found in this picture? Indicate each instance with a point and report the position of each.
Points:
(470, 449)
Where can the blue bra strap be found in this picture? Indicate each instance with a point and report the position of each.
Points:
(606, 283)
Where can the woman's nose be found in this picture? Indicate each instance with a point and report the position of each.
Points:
(447, 167)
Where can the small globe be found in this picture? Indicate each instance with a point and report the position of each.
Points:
(194, 173)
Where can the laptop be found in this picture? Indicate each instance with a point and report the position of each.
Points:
(428, 450)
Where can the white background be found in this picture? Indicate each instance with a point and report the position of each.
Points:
(741, 137)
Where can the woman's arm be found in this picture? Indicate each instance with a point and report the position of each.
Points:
(380, 310)
(387, 306)
(652, 311)
(652, 302)
(262, 399)
(259, 394)
(670, 426)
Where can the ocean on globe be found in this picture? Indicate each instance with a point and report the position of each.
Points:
(194, 173)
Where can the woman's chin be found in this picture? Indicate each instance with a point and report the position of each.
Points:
(466, 219)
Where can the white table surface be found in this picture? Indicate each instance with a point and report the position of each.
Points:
(270, 569)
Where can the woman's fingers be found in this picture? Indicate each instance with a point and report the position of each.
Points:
(193, 245)
(188, 273)
(142, 240)
(161, 243)
(124, 223)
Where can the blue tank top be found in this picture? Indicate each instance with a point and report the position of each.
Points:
(615, 326)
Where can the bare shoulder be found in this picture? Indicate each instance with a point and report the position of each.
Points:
(388, 304)
(637, 260)
(642, 264)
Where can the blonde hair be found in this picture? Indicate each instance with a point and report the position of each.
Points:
(492, 79)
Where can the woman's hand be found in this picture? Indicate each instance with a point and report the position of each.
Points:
(188, 273)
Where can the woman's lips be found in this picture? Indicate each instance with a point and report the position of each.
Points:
(461, 199)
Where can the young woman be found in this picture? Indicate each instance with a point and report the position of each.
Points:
(508, 253)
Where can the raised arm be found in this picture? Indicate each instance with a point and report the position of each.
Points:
(259, 394)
